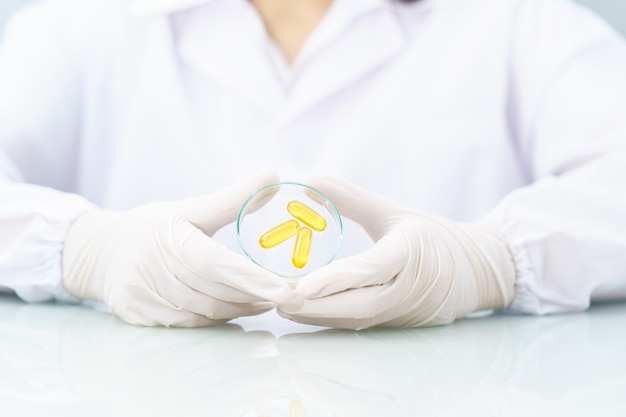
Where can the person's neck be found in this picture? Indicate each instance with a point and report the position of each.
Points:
(290, 22)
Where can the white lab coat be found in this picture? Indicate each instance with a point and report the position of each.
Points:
(508, 111)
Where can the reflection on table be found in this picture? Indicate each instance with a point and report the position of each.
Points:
(71, 361)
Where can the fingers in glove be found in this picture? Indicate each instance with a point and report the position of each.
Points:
(145, 310)
(374, 212)
(353, 309)
(356, 303)
(180, 306)
(375, 266)
(178, 296)
(214, 211)
(241, 280)
(333, 322)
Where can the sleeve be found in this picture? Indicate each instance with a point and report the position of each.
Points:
(567, 231)
(39, 125)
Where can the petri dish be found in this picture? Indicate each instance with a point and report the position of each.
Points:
(286, 203)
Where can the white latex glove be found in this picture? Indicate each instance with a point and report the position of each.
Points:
(423, 270)
(157, 264)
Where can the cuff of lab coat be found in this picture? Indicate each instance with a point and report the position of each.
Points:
(49, 284)
(526, 299)
(31, 260)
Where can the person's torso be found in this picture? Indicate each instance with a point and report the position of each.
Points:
(407, 101)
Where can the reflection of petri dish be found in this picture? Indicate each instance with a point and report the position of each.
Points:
(288, 405)
(267, 208)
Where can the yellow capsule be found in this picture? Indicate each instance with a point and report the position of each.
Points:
(302, 247)
(279, 234)
(306, 215)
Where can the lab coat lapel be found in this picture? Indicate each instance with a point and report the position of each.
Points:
(347, 47)
(226, 41)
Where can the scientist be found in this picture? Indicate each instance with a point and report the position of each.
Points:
(480, 144)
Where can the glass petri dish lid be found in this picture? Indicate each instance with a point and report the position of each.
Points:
(290, 229)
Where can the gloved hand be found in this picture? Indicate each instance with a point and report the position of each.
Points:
(157, 264)
(423, 270)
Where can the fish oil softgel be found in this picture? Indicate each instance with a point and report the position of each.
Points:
(290, 229)
(302, 247)
(278, 234)
(304, 235)
(306, 215)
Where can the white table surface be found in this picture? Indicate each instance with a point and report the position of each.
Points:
(62, 360)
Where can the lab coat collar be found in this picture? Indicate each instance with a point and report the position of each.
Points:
(353, 41)
(164, 6)
(170, 6)
(356, 38)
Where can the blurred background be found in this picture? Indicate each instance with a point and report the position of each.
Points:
(7, 7)
(614, 11)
